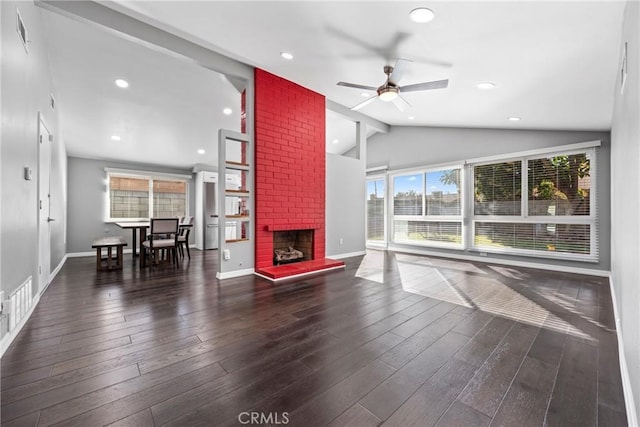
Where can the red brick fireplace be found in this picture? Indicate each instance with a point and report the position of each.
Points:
(290, 166)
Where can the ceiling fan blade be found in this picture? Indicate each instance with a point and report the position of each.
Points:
(401, 103)
(437, 84)
(398, 70)
(353, 85)
(364, 103)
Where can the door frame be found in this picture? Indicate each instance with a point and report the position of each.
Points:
(44, 274)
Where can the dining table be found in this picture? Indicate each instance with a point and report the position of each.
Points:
(139, 232)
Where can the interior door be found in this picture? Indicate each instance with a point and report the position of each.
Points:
(44, 206)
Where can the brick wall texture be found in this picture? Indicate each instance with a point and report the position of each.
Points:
(289, 162)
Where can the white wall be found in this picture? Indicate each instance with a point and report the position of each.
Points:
(405, 147)
(345, 208)
(26, 88)
(625, 200)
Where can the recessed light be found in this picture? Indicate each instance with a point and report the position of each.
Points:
(410, 117)
(421, 15)
(115, 138)
(335, 141)
(514, 119)
(227, 111)
(286, 55)
(485, 85)
(365, 94)
(122, 83)
(201, 151)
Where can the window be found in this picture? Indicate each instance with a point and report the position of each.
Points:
(136, 196)
(443, 192)
(559, 185)
(375, 210)
(407, 195)
(432, 219)
(128, 197)
(539, 203)
(555, 218)
(497, 188)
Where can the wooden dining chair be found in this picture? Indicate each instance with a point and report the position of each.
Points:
(183, 237)
(163, 237)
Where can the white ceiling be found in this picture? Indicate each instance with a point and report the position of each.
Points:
(554, 63)
(171, 108)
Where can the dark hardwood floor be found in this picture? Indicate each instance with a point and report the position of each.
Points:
(393, 340)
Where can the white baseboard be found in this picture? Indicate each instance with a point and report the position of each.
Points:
(11, 335)
(632, 415)
(92, 253)
(377, 246)
(232, 274)
(347, 255)
(514, 263)
(80, 254)
(56, 270)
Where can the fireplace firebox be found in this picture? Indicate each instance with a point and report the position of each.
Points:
(292, 246)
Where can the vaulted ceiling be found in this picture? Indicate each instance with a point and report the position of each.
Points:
(554, 65)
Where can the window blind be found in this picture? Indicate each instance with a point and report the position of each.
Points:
(498, 188)
(556, 217)
(375, 210)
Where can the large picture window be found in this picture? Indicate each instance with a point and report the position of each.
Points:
(539, 203)
(137, 196)
(554, 218)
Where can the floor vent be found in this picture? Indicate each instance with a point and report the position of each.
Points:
(20, 303)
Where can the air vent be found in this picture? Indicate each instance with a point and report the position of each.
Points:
(22, 30)
(52, 102)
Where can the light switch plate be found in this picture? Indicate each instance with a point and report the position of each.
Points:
(27, 173)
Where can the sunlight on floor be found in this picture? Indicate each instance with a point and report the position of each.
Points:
(467, 285)
(372, 266)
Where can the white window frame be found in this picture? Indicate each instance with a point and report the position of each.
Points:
(469, 219)
(524, 218)
(429, 218)
(378, 243)
(150, 176)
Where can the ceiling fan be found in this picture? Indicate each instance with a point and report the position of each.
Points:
(390, 90)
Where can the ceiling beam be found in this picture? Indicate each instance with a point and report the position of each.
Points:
(357, 117)
(151, 35)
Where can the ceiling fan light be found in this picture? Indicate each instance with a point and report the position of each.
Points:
(421, 15)
(388, 95)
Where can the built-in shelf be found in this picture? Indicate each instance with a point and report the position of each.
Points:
(237, 166)
(236, 203)
(236, 240)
